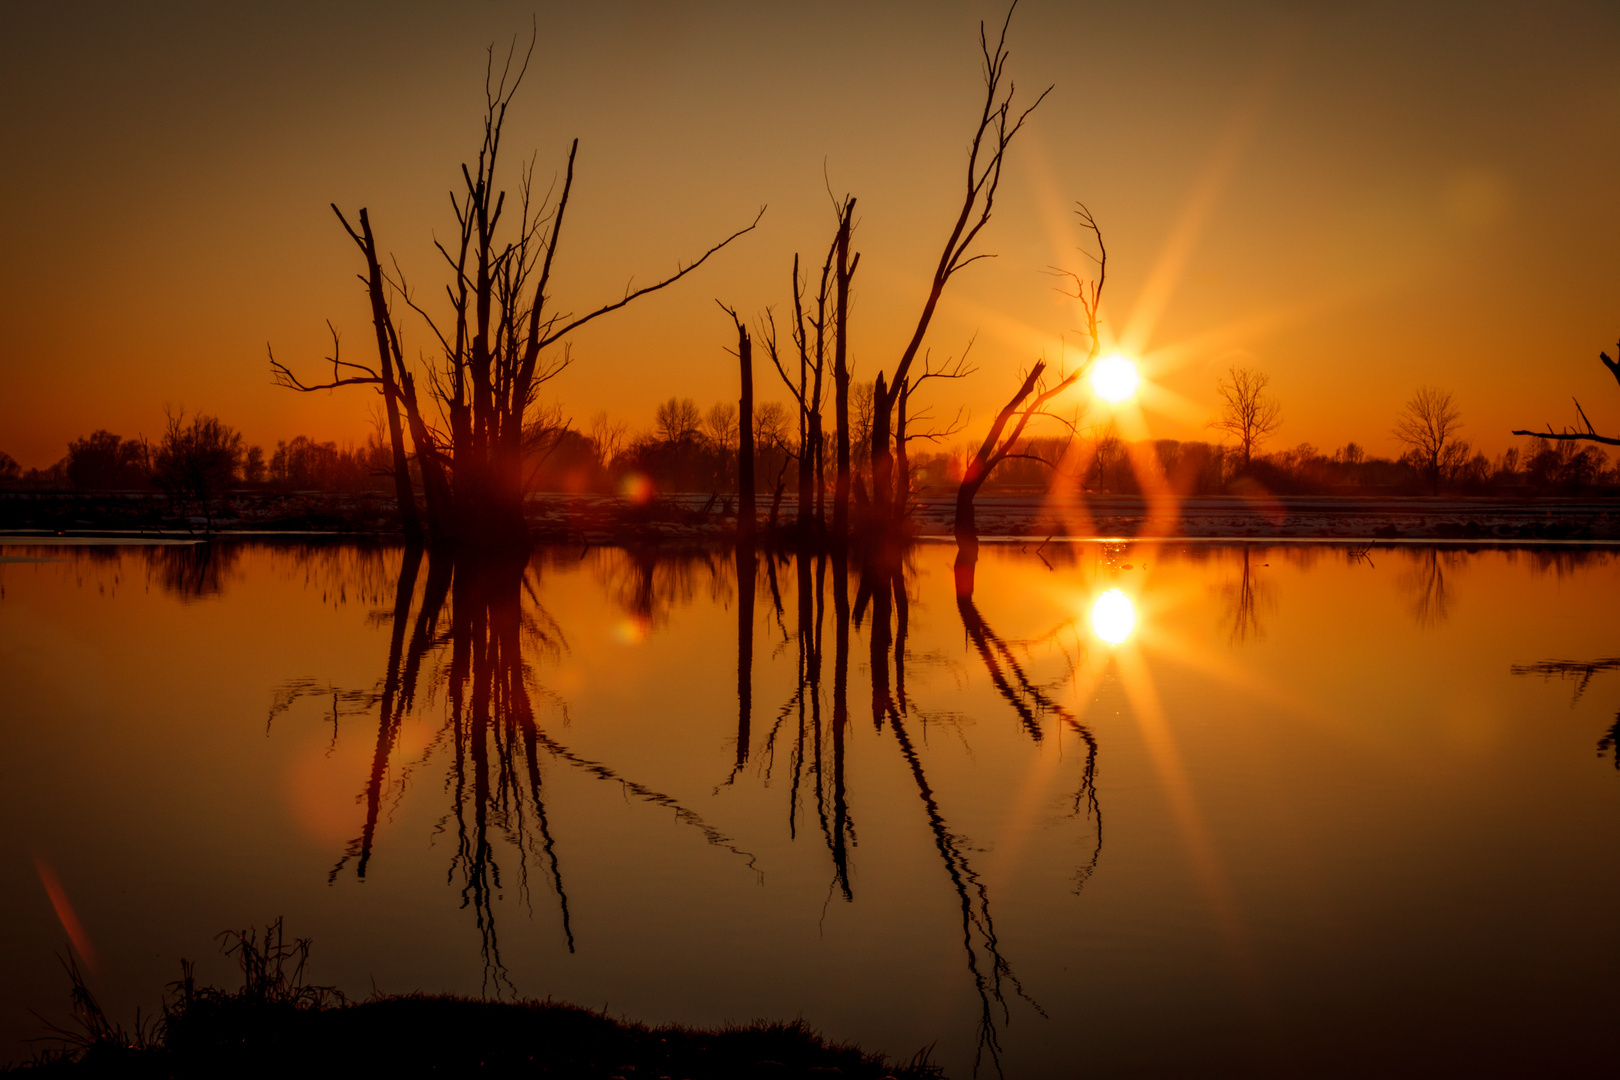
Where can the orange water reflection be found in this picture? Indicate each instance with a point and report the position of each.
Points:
(699, 787)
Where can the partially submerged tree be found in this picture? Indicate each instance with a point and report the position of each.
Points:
(1028, 403)
(1428, 426)
(1585, 432)
(745, 431)
(501, 338)
(1248, 413)
(998, 124)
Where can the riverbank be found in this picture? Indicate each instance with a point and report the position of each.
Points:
(606, 519)
(246, 1035)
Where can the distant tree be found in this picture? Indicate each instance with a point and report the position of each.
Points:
(1248, 413)
(197, 461)
(720, 424)
(1506, 469)
(103, 460)
(608, 437)
(52, 476)
(253, 465)
(1428, 426)
(1558, 465)
(861, 413)
(770, 424)
(677, 420)
(10, 471)
(1351, 453)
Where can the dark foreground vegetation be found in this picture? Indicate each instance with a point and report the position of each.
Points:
(279, 1025)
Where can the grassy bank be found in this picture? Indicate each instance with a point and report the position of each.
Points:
(278, 1025)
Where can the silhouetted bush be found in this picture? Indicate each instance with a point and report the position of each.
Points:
(197, 461)
(103, 460)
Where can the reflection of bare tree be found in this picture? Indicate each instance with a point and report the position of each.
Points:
(647, 583)
(881, 595)
(1580, 672)
(987, 967)
(192, 571)
(487, 616)
(1425, 583)
(1244, 599)
(1032, 703)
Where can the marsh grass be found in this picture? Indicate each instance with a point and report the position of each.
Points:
(278, 1025)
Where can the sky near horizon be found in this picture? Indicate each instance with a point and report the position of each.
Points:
(1356, 199)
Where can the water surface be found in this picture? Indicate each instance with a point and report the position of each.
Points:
(1135, 809)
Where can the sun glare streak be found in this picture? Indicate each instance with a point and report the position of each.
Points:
(1167, 271)
(1211, 875)
(65, 914)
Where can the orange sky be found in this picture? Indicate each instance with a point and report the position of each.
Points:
(1355, 201)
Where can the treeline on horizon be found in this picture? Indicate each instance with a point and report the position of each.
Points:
(689, 450)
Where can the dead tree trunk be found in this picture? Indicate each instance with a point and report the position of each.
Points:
(496, 336)
(902, 461)
(992, 452)
(882, 462)
(845, 271)
(745, 434)
(998, 124)
(403, 490)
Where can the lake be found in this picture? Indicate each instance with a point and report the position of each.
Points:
(1133, 809)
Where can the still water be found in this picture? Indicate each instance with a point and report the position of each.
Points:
(1142, 809)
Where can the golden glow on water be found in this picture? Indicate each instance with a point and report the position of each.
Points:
(1301, 755)
(1113, 617)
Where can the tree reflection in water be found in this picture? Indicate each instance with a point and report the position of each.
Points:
(469, 637)
(475, 628)
(819, 751)
(1244, 599)
(1425, 583)
(1580, 672)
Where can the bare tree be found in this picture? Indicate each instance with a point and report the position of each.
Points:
(501, 337)
(607, 436)
(1428, 425)
(809, 333)
(1247, 412)
(720, 424)
(998, 124)
(197, 461)
(677, 420)
(1585, 432)
(745, 434)
(996, 448)
(844, 274)
(904, 418)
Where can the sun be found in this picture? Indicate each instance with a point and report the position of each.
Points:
(1114, 378)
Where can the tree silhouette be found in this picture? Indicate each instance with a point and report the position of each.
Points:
(1428, 424)
(998, 124)
(1247, 412)
(500, 339)
(197, 462)
(1585, 432)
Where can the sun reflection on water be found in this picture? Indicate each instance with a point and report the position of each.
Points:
(1113, 617)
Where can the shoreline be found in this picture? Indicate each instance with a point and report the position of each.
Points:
(1003, 517)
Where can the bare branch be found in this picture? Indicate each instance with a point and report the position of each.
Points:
(672, 279)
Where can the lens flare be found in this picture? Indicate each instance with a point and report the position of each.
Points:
(1113, 617)
(1114, 378)
(636, 489)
